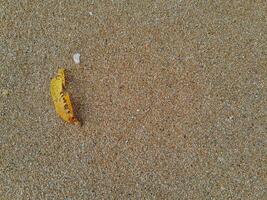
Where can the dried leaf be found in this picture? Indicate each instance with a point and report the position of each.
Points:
(61, 98)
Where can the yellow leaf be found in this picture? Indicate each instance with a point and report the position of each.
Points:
(61, 98)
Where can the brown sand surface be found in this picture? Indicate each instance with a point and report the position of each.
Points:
(172, 96)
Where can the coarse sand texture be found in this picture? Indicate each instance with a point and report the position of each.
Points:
(171, 95)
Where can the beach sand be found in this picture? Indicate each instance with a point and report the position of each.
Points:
(171, 95)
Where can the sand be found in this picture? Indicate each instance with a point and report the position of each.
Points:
(171, 94)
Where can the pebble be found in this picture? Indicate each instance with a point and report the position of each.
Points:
(76, 58)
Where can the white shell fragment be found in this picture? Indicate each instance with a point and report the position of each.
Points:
(76, 58)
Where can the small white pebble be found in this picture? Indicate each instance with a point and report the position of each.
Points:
(76, 58)
(90, 13)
